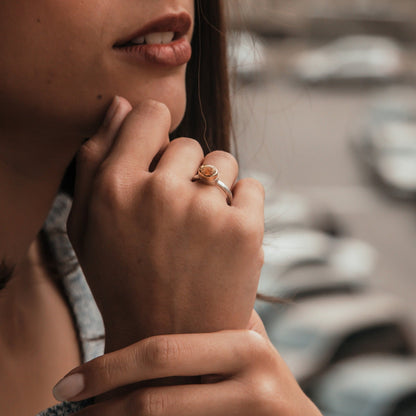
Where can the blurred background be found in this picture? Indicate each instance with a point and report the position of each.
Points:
(324, 95)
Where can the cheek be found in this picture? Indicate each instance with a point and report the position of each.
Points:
(59, 73)
(71, 89)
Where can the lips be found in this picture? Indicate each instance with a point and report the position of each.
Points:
(161, 42)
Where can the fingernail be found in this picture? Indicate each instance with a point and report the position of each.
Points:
(112, 110)
(69, 387)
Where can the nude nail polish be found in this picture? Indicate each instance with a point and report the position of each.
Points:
(69, 387)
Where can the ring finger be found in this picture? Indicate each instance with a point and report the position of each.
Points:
(227, 168)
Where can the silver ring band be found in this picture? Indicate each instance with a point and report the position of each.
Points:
(226, 190)
(208, 175)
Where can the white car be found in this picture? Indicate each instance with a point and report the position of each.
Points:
(293, 210)
(352, 58)
(247, 56)
(369, 386)
(299, 262)
(386, 142)
(314, 334)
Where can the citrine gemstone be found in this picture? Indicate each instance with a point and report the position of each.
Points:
(208, 172)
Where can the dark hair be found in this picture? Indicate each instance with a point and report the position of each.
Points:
(208, 115)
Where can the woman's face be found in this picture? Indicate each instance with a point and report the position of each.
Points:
(60, 68)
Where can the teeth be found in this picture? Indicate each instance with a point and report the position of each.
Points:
(160, 38)
(167, 37)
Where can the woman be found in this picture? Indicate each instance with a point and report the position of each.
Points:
(173, 267)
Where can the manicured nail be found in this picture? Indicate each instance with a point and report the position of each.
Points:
(111, 112)
(69, 387)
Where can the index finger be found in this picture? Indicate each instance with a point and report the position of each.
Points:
(223, 353)
(143, 135)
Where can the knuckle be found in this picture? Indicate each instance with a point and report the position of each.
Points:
(160, 352)
(264, 396)
(110, 185)
(88, 153)
(206, 211)
(250, 347)
(104, 368)
(163, 183)
(163, 189)
(101, 369)
(155, 403)
(257, 346)
(248, 229)
(148, 402)
(255, 185)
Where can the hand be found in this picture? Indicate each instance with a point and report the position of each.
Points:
(243, 375)
(161, 253)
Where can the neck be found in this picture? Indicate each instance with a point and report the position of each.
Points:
(36, 328)
(36, 332)
(31, 169)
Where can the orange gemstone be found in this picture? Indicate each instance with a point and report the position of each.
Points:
(208, 172)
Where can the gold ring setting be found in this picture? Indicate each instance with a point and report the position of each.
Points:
(209, 175)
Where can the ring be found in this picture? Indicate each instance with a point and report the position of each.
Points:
(208, 174)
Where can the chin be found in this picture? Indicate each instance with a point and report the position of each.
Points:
(174, 98)
(172, 94)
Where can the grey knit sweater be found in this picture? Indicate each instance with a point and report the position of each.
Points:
(87, 317)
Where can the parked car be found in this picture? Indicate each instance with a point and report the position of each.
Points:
(315, 334)
(369, 386)
(385, 142)
(288, 210)
(247, 56)
(326, 18)
(304, 262)
(350, 59)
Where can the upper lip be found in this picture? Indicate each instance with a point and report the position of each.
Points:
(179, 23)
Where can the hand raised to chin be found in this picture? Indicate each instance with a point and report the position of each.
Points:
(161, 253)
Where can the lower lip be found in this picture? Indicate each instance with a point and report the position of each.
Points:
(173, 54)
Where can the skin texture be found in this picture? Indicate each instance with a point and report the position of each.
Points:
(172, 239)
(193, 261)
(177, 281)
(63, 90)
(242, 368)
(36, 80)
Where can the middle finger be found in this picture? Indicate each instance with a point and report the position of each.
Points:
(182, 157)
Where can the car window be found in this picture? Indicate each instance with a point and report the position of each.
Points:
(386, 338)
(406, 406)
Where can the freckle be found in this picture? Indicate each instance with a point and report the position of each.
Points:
(99, 97)
(49, 81)
(38, 20)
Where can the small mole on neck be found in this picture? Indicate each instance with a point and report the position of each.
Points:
(99, 97)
